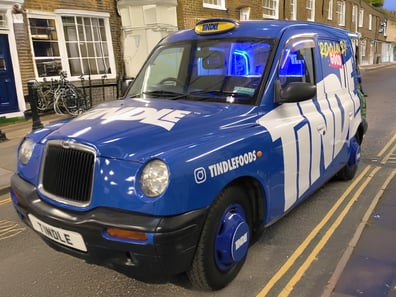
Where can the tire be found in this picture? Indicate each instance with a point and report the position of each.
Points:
(224, 242)
(43, 97)
(71, 101)
(349, 170)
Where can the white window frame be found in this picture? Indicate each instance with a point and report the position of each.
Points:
(273, 6)
(44, 16)
(310, 7)
(363, 48)
(355, 17)
(361, 17)
(3, 19)
(293, 10)
(57, 16)
(330, 11)
(341, 13)
(370, 25)
(214, 4)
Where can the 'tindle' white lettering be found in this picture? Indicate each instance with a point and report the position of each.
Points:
(165, 118)
(309, 136)
(280, 123)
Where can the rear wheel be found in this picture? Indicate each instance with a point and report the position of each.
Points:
(350, 169)
(224, 242)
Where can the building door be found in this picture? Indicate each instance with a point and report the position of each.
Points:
(8, 97)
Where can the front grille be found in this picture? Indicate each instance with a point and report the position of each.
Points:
(67, 172)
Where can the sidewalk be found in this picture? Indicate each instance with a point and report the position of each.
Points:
(365, 68)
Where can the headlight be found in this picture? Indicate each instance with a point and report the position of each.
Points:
(26, 150)
(154, 178)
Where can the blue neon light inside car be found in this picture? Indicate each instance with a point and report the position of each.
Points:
(292, 64)
(240, 63)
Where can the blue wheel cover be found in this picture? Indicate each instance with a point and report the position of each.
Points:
(232, 237)
(355, 152)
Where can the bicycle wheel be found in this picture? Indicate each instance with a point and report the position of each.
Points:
(71, 100)
(42, 102)
(58, 100)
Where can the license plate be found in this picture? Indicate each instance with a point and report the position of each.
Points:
(62, 236)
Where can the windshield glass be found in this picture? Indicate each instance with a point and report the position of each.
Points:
(221, 70)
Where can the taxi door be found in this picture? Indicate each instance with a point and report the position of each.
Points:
(298, 123)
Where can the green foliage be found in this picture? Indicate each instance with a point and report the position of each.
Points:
(377, 3)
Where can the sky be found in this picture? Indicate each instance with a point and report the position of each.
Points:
(390, 4)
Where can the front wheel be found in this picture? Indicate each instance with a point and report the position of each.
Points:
(224, 242)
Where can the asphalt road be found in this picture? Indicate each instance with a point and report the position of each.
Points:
(295, 257)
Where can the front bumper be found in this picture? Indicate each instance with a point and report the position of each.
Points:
(170, 250)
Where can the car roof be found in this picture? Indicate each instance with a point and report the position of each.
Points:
(259, 28)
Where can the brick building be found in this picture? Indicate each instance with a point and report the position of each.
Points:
(40, 38)
(144, 23)
(109, 40)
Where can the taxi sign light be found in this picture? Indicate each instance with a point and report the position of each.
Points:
(213, 26)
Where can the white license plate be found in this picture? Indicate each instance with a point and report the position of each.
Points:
(62, 236)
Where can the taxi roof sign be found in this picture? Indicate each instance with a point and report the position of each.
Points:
(213, 26)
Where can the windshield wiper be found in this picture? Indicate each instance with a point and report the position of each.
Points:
(218, 93)
(160, 93)
(203, 94)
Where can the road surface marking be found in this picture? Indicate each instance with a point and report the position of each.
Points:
(9, 229)
(5, 201)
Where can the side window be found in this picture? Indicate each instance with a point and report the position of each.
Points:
(297, 63)
(164, 68)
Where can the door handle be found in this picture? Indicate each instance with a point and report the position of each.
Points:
(322, 129)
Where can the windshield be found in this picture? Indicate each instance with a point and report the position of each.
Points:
(219, 70)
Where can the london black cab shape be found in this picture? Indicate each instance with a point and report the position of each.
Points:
(226, 128)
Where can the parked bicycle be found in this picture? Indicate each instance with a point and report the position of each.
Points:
(62, 96)
(45, 96)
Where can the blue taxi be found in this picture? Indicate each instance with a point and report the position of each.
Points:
(226, 128)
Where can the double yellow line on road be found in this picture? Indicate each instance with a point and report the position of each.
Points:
(325, 238)
(5, 201)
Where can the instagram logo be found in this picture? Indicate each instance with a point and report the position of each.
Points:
(200, 175)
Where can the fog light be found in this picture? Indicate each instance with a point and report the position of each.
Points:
(126, 234)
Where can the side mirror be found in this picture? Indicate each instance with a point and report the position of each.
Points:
(294, 92)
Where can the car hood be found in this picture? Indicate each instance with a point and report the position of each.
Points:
(138, 129)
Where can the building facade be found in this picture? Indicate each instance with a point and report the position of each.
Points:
(144, 23)
(41, 38)
(108, 40)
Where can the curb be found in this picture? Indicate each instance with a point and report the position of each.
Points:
(367, 68)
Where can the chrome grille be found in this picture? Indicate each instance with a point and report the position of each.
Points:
(67, 172)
